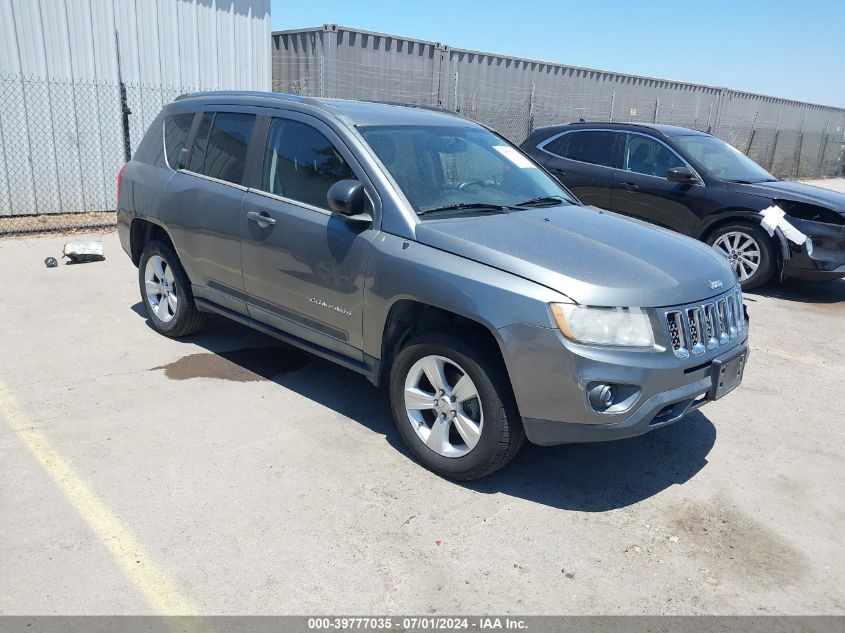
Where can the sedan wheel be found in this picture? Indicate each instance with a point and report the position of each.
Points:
(443, 407)
(742, 252)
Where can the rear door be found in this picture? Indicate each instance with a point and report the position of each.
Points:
(203, 204)
(304, 267)
(641, 189)
(583, 160)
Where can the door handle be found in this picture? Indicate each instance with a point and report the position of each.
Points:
(263, 220)
(629, 186)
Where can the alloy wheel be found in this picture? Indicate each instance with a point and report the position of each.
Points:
(443, 406)
(742, 252)
(160, 286)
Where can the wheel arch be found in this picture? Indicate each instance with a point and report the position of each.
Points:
(780, 247)
(141, 232)
(410, 317)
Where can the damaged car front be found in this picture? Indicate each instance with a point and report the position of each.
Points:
(810, 225)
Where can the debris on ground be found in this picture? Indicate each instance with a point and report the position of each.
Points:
(84, 252)
(51, 262)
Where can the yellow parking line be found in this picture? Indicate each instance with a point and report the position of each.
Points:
(160, 591)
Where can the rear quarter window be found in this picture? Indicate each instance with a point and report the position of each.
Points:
(176, 129)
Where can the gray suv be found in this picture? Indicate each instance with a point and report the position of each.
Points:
(434, 257)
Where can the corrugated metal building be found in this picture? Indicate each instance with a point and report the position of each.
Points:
(61, 119)
(514, 95)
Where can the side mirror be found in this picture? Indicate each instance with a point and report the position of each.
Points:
(347, 198)
(681, 174)
(182, 160)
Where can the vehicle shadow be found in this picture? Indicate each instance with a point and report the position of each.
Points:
(581, 477)
(821, 292)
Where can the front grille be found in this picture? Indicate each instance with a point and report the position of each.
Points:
(697, 328)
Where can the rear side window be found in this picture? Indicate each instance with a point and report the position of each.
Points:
(594, 147)
(176, 128)
(300, 163)
(221, 144)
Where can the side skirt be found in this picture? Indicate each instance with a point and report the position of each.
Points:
(370, 367)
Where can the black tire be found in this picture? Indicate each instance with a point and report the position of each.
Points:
(501, 431)
(186, 319)
(767, 263)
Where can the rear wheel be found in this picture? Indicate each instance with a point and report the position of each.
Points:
(748, 251)
(453, 406)
(166, 292)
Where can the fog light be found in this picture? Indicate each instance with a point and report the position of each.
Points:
(600, 396)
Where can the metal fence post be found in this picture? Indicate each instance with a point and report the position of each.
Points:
(656, 108)
(124, 106)
(612, 101)
(753, 132)
(822, 148)
(800, 146)
(531, 111)
(771, 165)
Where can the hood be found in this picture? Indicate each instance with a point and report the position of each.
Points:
(795, 191)
(592, 256)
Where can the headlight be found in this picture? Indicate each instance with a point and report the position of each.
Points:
(629, 327)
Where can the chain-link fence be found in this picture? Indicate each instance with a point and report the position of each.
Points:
(61, 146)
(62, 141)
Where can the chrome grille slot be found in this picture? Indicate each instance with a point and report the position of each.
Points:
(711, 324)
(723, 321)
(740, 317)
(677, 333)
(696, 338)
(731, 317)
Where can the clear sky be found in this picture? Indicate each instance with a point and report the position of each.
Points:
(782, 48)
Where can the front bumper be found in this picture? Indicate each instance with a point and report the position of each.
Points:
(551, 377)
(827, 259)
(660, 410)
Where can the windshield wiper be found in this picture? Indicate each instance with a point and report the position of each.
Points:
(542, 201)
(466, 206)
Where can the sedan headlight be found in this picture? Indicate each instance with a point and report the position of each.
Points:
(628, 327)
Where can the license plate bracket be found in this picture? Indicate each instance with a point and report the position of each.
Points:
(726, 372)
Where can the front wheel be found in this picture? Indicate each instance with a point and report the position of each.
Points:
(453, 406)
(748, 251)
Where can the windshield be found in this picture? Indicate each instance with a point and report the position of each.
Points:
(721, 160)
(452, 170)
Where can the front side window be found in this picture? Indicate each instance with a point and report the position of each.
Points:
(447, 168)
(721, 160)
(594, 147)
(300, 163)
(176, 129)
(644, 155)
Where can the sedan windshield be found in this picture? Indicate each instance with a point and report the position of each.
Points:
(721, 160)
(461, 170)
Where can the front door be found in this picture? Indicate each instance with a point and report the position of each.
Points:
(303, 266)
(641, 189)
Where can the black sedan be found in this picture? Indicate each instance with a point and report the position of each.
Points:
(699, 185)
